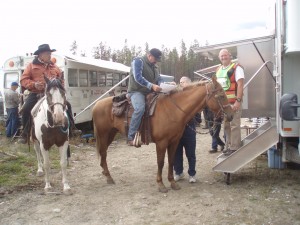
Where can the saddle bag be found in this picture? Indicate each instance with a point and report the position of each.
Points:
(119, 105)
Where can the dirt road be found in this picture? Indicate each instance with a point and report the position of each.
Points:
(257, 195)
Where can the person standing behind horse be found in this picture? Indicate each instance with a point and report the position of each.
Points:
(188, 142)
(12, 100)
(32, 79)
(214, 125)
(231, 77)
(144, 78)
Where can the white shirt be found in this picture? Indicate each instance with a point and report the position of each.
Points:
(239, 73)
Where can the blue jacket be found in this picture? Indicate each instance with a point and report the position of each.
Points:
(143, 75)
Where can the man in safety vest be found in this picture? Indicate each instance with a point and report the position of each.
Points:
(231, 76)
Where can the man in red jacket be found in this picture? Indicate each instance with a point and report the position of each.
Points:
(32, 79)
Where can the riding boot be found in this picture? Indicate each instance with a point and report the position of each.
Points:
(23, 139)
(31, 100)
(74, 132)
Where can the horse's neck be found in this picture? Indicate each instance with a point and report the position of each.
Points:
(42, 103)
(190, 101)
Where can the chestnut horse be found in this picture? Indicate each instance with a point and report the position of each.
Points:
(172, 113)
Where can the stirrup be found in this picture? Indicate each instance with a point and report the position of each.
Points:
(137, 141)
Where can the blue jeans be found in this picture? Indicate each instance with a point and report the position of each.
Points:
(12, 122)
(138, 103)
(189, 144)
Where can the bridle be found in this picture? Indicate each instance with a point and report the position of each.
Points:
(50, 109)
(214, 93)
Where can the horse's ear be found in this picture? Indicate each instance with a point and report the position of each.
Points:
(46, 79)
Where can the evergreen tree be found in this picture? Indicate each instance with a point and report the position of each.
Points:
(73, 48)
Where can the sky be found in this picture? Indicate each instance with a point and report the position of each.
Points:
(27, 24)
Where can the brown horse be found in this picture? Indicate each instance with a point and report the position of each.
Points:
(172, 113)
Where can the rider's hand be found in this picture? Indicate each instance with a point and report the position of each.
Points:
(156, 88)
(39, 86)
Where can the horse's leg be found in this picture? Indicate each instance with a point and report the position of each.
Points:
(102, 144)
(63, 164)
(45, 154)
(171, 154)
(160, 153)
(39, 156)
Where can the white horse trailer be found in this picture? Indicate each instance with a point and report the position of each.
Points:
(85, 79)
(272, 65)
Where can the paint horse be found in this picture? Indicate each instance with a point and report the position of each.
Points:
(171, 115)
(51, 127)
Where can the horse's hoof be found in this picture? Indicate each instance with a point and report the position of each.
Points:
(175, 186)
(47, 190)
(162, 189)
(39, 173)
(68, 191)
(110, 181)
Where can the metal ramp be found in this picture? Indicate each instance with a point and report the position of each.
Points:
(256, 143)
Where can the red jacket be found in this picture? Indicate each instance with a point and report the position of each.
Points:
(35, 72)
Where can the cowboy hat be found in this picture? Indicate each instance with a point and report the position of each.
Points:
(43, 48)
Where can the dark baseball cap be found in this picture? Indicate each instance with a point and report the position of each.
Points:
(156, 53)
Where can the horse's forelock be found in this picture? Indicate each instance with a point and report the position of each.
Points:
(55, 83)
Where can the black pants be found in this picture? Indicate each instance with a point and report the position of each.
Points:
(30, 102)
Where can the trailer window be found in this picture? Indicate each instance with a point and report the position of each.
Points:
(9, 78)
(101, 77)
(83, 78)
(124, 83)
(109, 80)
(93, 78)
(72, 77)
(116, 78)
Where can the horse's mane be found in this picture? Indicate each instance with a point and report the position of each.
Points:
(190, 86)
(55, 83)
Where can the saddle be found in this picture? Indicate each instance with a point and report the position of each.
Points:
(122, 105)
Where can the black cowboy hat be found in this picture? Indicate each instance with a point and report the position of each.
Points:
(44, 48)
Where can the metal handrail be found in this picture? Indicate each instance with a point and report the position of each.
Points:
(203, 76)
(255, 74)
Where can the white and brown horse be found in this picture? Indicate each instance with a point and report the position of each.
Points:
(171, 115)
(51, 127)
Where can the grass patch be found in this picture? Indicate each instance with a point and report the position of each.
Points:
(18, 166)
(16, 171)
